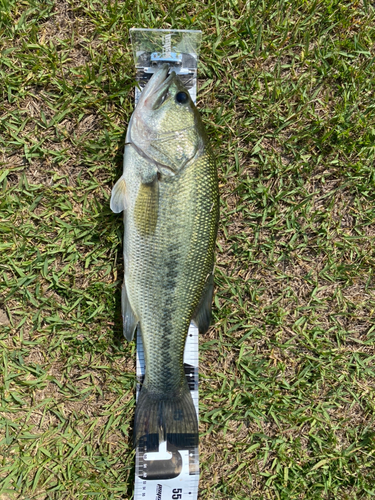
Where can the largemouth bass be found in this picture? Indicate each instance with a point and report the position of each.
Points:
(169, 194)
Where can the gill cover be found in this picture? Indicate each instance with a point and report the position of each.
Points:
(166, 127)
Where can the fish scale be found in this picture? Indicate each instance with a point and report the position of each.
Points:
(159, 264)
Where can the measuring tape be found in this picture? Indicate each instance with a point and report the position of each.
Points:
(164, 474)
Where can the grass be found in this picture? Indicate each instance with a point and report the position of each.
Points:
(287, 369)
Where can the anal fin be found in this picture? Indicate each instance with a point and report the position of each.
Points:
(202, 313)
(128, 317)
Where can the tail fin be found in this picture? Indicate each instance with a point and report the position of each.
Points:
(171, 418)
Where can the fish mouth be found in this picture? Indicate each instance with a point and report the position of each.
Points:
(163, 94)
(159, 85)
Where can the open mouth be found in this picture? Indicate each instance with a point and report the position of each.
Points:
(161, 93)
(161, 100)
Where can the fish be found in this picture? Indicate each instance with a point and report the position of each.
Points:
(168, 194)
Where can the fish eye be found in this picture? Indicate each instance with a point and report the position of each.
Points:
(182, 97)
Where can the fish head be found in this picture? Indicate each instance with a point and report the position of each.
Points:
(166, 126)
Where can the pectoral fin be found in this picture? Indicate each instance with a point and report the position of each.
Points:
(118, 198)
(128, 317)
(146, 207)
(202, 314)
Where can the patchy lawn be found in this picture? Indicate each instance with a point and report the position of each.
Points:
(287, 370)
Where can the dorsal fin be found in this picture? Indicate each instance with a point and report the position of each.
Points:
(202, 313)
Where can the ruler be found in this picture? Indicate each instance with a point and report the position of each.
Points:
(165, 472)
(178, 48)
